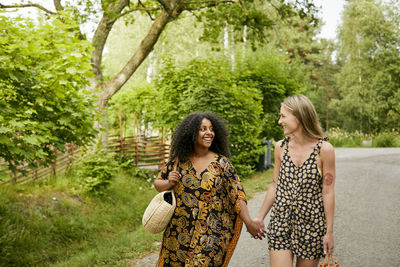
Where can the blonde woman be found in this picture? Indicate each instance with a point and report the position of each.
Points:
(302, 195)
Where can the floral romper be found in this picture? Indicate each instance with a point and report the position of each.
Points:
(298, 220)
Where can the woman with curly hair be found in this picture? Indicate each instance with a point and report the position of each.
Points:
(210, 200)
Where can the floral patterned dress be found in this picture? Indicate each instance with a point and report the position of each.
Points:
(206, 226)
(298, 220)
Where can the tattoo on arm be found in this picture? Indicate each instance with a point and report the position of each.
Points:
(328, 179)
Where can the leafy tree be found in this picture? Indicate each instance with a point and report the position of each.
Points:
(137, 105)
(324, 85)
(216, 13)
(209, 85)
(268, 72)
(369, 55)
(43, 104)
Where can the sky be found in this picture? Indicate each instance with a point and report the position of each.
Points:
(331, 15)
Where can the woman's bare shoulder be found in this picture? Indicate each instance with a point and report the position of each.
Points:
(279, 144)
(327, 149)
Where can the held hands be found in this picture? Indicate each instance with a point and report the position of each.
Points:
(256, 229)
(173, 178)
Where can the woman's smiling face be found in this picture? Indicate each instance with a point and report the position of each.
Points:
(206, 134)
(288, 121)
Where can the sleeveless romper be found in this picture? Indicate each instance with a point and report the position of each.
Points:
(298, 220)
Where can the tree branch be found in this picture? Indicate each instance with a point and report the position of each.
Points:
(148, 13)
(207, 4)
(100, 36)
(140, 9)
(28, 5)
(210, 2)
(165, 6)
(57, 5)
(145, 47)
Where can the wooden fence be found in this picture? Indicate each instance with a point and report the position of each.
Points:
(148, 152)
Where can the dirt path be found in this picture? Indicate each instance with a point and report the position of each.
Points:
(367, 219)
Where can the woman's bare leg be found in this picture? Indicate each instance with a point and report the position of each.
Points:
(306, 263)
(281, 258)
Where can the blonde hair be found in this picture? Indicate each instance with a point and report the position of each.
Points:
(302, 108)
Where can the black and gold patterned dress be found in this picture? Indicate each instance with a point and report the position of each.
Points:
(206, 226)
(297, 218)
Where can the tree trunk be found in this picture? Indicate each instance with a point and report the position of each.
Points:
(145, 47)
(100, 36)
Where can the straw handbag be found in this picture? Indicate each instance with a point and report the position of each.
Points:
(329, 262)
(160, 210)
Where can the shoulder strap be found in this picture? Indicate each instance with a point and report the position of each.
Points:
(285, 141)
(318, 148)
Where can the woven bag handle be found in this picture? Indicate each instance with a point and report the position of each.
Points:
(328, 260)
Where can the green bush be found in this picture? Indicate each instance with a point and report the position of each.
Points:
(95, 171)
(387, 139)
(341, 138)
(128, 166)
(44, 104)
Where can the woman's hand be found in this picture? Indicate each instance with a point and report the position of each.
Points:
(260, 223)
(328, 243)
(256, 229)
(173, 178)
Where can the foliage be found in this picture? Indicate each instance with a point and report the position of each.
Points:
(268, 72)
(210, 85)
(43, 104)
(136, 104)
(45, 224)
(258, 182)
(341, 138)
(369, 56)
(214, 14)
(128, 165)
(94, 171)
(256, 16)
(387, 139)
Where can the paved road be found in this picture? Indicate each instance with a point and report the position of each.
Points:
(367, 218)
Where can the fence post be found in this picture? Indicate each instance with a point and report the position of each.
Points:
(36, 171)
(137, 139)
(53, 169)
(14, 178)
(162, 147)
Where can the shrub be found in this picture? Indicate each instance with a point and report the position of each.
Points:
(95, 171)
(128, 165)
(340, 138)
(386, 139)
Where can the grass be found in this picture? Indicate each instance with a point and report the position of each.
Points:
(340, 138)
(50, 223)
(258, 182)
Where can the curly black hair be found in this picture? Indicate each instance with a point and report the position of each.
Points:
(186, 133)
